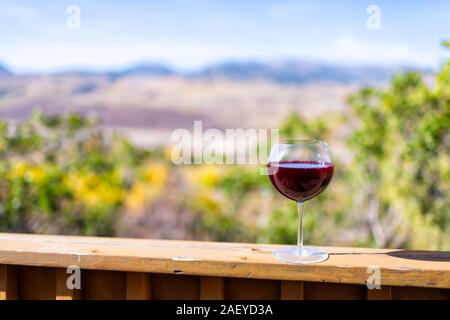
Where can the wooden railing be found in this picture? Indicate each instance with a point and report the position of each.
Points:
(35, 267)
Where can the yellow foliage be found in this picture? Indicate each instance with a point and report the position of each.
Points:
(143, 192)
(168, 153)
(206, 176)
(94, 191)
(19, 169)
(205, 203)
(156, 174)
(140, 194)
(35, 174)
(32, 173)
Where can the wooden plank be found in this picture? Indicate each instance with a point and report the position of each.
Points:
(212, 288)
(175, 287)
(291, 290)
(251, 289)
(345, 265)
(138, 286)
(410, 293)
(36, 283)
(333, 291)
(8, 282)
(62, 290)
(384, 293)
(104, 285)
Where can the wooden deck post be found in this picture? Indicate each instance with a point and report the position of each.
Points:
(138, 286)
(212, 288)
(292, 290)
(8, 282)
(62, 291)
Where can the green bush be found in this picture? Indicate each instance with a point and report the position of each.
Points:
(60, 175)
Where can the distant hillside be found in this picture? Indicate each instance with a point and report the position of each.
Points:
(144, 69)
(139, 69)
(150, 100)
(297, 72)
(284, 72)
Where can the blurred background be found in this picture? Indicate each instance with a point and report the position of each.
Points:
(90, 92)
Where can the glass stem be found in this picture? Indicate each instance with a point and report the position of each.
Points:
(300, 228)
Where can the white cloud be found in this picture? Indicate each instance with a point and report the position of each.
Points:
(349, 48)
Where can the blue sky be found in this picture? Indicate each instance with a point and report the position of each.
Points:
(191, 33)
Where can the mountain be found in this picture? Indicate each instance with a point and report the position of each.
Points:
(297, 72)
(139, 69)
(283, 72)
(144, 69)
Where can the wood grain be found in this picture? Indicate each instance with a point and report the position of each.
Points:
(62, 291)
(251, 289)
(409, 293)
(384, 293)
(175, 287)
(333, 291)
(292, 290)
(104, 285)
(138, 286)
(36, 283)
(240, 260)
(212, 288)
(8, 282)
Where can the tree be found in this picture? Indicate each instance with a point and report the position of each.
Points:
(401, 168)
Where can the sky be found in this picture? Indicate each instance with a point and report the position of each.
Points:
(39, 36)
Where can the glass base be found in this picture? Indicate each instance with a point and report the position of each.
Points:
(297, 255)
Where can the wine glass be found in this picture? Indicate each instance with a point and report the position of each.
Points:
(300, 169)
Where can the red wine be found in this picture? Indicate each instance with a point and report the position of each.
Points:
(300, 180)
